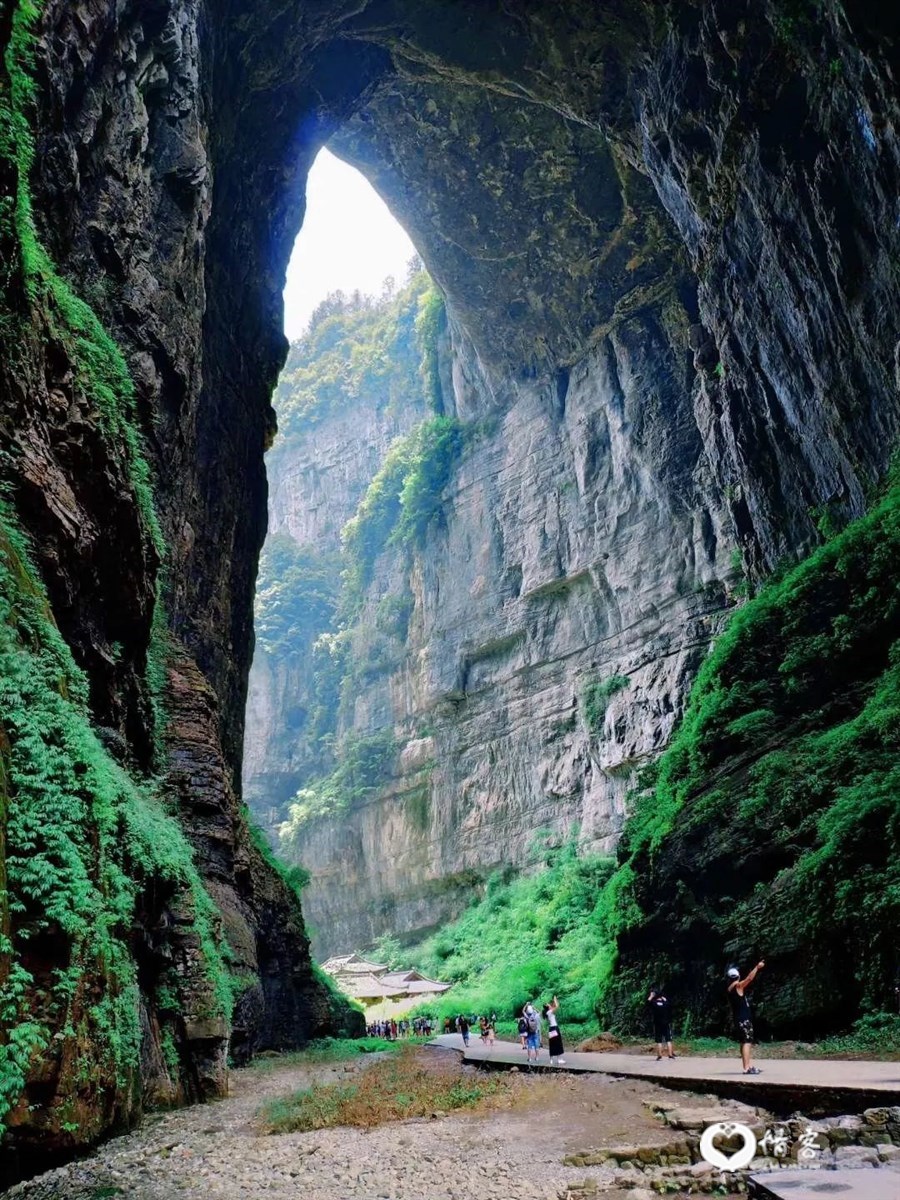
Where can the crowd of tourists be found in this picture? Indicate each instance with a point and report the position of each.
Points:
(393, 1029)
(531, 1030)
(534, 1018)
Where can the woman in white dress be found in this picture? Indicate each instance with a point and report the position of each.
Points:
(555, 1042)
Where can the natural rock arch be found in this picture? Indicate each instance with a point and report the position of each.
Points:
(564, 175)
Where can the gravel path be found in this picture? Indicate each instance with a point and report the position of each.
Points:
(214, 1151)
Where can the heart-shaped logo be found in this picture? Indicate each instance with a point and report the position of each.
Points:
(718, 1158)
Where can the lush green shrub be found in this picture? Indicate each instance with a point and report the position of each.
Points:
(595, 698)
(364, 765)
(529, 936)
(773, 827)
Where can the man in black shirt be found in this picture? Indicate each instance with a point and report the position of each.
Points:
(742, 1013)
(661, 1011)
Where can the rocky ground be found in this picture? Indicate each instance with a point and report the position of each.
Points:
(545, 1137)
(512, 1152)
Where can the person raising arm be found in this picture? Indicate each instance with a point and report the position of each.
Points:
(742, 1012)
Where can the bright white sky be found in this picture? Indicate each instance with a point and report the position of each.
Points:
(349, 240)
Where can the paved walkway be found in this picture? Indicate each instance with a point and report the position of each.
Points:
(828, 1084)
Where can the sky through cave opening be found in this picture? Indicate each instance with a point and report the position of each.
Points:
(350, 241)
(351, 253)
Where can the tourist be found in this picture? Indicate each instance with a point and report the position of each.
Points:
(483, 1030)
(462, 1025)
(661, 1011)
(523, 1031)
(533, 1032)
(554, 1040)
(742, 1013)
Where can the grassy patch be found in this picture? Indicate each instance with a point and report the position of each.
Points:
(412, 1083)
(327, 1050)
(874, 1035)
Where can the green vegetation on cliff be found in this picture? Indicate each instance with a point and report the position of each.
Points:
(85, 846)
(528, 937)
(376, 355)
(297, 592)
(595, 698)
(357, 346)
(82, 839)
(101, 372)
(773, 826)
(403, 499)
(364, 765)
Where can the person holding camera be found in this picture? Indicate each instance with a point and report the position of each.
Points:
(742, 1012)
(661, 1012)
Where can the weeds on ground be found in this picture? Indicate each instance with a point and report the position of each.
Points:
(874, 1035)
(411, 1083)
(327, 1050)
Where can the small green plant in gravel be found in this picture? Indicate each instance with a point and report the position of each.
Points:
(414, 1082)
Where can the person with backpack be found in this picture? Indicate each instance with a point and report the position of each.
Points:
(523, 1031)
(554, 1041)
(532, 1031)
(661, 1012)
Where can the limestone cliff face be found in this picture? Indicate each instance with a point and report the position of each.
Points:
(318, 472)
(666, 296)
(578, 545)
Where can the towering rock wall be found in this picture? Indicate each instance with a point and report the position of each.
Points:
(144, 933)
(334, 438)
(566, 564)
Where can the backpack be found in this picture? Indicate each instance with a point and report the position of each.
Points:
(532, 1022)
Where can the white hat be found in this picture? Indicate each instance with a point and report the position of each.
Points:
(733, 973)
